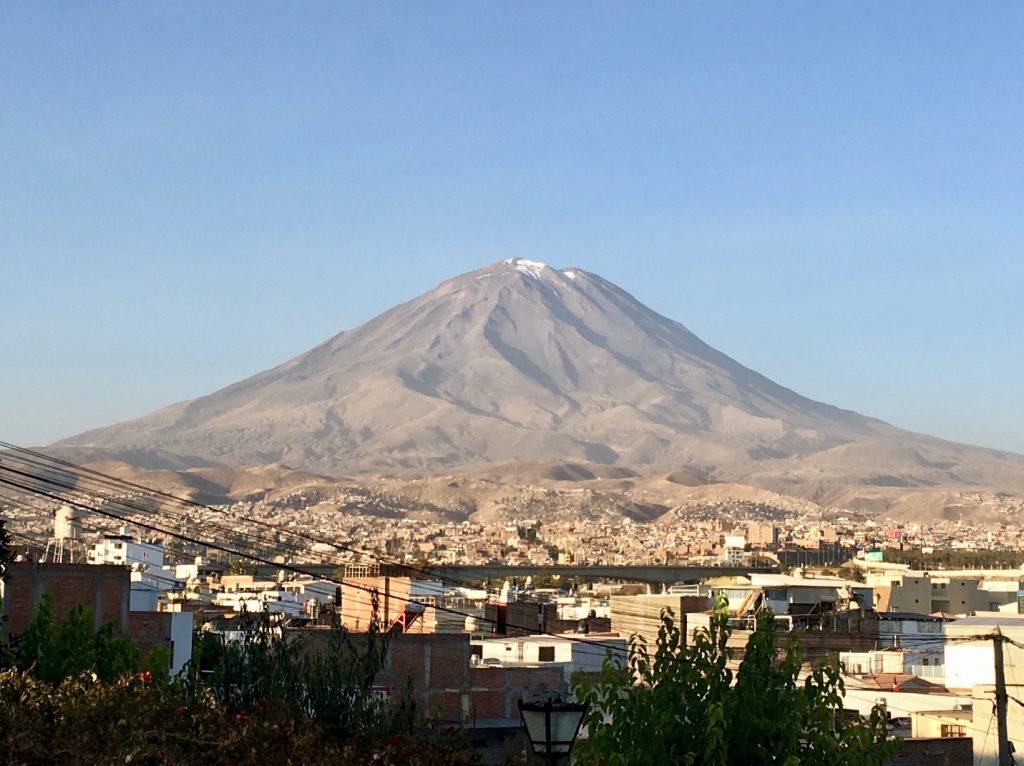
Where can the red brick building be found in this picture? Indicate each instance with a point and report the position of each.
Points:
(436, 669)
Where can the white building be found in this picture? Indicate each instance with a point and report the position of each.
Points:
(970, 655)
(572, 654)
(918, 635)
(308, 589)
(290, 598)
(970, 665)
(803, 600)
(273, 601)
(123, 550)
(873, 662)
(734, 550)
(150, 578)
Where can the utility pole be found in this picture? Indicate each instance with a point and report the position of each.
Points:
(1001, 699)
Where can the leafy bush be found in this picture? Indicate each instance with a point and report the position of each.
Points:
(83, 720)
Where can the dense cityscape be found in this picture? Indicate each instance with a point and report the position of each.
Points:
(908, 609)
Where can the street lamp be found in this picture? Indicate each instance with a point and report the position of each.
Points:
(552, 727)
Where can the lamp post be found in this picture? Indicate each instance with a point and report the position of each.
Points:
(552, 727)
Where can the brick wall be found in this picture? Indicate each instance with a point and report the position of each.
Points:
(150, 630)
(106, 590)
(948, 751)
(435, 669)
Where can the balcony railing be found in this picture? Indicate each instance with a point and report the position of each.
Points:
(928, 672)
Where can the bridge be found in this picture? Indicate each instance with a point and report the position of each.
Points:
(655, 574)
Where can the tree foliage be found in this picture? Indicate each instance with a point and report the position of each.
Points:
(683, 704)
(333, 686)
(948, 558)
(52, 653)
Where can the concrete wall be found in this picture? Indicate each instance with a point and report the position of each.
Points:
(642, 614)
(910, 593)
(901, 704)
(959, 595)
(392, 594)
(972, 662)
(925, 593)
(933, 725)
(181, 640)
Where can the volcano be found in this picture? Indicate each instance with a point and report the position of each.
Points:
(522, 361)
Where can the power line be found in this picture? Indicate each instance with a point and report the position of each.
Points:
(42, 460)
(46, 462)
(810, 639)
(604, 648)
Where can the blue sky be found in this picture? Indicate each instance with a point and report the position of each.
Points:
(833, 194)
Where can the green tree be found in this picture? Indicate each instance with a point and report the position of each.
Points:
(52, 652)
(683, 704)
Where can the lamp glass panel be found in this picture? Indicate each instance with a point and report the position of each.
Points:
(535, 726)
(564, 724)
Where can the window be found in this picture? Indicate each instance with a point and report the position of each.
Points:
(546, 654)
(953, 730)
